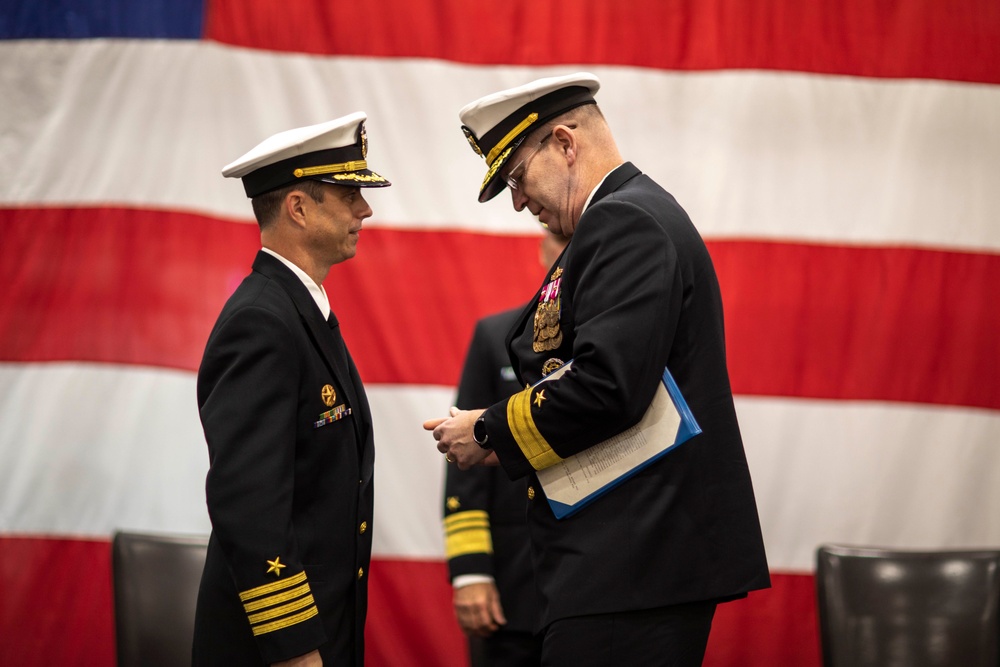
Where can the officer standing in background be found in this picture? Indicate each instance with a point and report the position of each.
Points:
(486, 532)
(291, 451)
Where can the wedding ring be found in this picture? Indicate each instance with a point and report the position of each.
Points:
(447, 457)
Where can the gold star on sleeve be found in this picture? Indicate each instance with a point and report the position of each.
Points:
(276, 566)
(539, 397)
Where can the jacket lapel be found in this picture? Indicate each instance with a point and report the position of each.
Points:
(617, 178)
(529, 310)
(329, 343)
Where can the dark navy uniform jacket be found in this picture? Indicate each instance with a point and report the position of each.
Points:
(486, 530)
(290, 483)
(634, 291)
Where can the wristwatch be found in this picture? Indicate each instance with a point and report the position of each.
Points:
(479, 433)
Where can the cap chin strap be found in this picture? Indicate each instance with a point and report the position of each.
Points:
(354, 165)
(502, 144)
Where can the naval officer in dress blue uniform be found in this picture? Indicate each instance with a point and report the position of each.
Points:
(289, 432)
(634, 577)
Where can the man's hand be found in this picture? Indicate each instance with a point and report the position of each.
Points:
(478, 609)
(311, 659)
(454, 438)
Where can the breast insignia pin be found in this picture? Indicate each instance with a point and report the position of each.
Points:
(328, 394)
(551, 366)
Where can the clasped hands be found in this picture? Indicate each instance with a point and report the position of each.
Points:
(454, 439)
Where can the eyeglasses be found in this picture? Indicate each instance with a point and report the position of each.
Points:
(514, 175)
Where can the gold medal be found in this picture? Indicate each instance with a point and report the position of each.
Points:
(328, 394)
(546, 334)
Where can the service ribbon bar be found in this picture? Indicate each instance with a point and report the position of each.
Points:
(334, 415)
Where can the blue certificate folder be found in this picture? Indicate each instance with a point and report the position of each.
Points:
(575, 482)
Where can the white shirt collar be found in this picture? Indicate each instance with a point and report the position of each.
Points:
(315, 291)
(597, 187)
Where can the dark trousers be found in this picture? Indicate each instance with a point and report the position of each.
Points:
(673, 636)
(506, 648)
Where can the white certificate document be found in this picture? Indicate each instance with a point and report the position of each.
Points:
(581, 478)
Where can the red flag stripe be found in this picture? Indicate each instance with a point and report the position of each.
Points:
(68, 593)
(843, 322)
(839, 322)
(921, 39)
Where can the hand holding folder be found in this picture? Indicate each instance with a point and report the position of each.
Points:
(578, 480)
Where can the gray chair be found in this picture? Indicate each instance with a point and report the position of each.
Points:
(155, 580)
(908, 608)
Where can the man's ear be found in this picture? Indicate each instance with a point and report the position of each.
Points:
(295, 205)
(566, 140)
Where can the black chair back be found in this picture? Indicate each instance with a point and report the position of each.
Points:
(908, 608)
(156, 579)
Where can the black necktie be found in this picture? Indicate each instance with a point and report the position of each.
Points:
(340, 350)
(340, 347)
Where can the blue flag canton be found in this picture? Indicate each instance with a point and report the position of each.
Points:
(95, 19)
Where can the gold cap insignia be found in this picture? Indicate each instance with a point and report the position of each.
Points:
(328, 394)
(364, 142)
(472, 141)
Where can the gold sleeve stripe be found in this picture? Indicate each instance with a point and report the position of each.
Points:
(279, 585)
(282, 610)
(466, 518)
(522, 426)
(472, 541)
(467, 533)
(285, 622)
(272, 600)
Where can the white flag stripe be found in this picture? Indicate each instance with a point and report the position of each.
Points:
(114, 447)
(123, 448)
(871, 473)
(409, 471)
(749, 153)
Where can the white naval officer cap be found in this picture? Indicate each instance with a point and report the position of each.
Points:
(332, 152)
(496, 125)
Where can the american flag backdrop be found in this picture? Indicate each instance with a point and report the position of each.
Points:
(842, 160)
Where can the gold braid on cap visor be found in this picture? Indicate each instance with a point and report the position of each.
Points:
(493, 168)
(353, 165)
